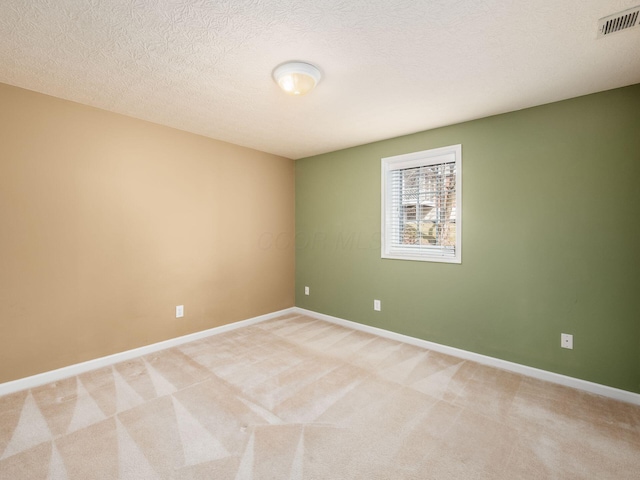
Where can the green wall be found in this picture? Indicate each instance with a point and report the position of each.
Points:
(551, 240)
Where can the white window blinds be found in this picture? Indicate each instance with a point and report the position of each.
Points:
(421, 203)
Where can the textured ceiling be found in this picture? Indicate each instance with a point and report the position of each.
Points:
(391, 67)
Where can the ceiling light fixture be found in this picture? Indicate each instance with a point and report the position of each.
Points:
(297, 78)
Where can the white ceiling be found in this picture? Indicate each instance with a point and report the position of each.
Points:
(391, 67)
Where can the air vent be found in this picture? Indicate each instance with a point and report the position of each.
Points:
(619, 21)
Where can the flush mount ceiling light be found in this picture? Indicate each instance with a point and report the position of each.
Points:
(297, 78)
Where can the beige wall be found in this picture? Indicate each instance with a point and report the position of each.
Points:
(108, 222)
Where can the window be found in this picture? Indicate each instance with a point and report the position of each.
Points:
(421, 205)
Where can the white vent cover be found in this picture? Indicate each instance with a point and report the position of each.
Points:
(619, 21)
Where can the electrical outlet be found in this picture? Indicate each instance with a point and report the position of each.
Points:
(376, 305)
(306, 290)
(180, 311)
(566, 341)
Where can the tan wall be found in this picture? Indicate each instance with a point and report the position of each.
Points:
(108, 222)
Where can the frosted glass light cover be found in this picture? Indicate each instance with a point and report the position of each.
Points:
(296, 78)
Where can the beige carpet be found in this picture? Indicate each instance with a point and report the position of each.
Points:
(298, 398)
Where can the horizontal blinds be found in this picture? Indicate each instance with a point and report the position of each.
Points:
(421, 220)
(419, 159)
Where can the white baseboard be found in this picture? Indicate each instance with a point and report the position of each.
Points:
(78, 368)
(615, 393)
(72, 370)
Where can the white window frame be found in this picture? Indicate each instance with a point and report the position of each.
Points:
(393, 250)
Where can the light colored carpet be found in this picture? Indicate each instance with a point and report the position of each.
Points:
(299, 398)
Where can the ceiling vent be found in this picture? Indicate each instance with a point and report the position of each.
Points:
(619, 21)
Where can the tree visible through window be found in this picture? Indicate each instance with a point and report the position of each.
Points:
(421, 210)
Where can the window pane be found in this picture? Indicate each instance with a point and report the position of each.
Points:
(427, 197)
(421, 210)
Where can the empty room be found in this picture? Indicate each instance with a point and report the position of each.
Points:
(249, 239)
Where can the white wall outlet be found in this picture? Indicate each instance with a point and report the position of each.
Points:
(376, 305)
(180, 311)
(566, 340)
(306, 290)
